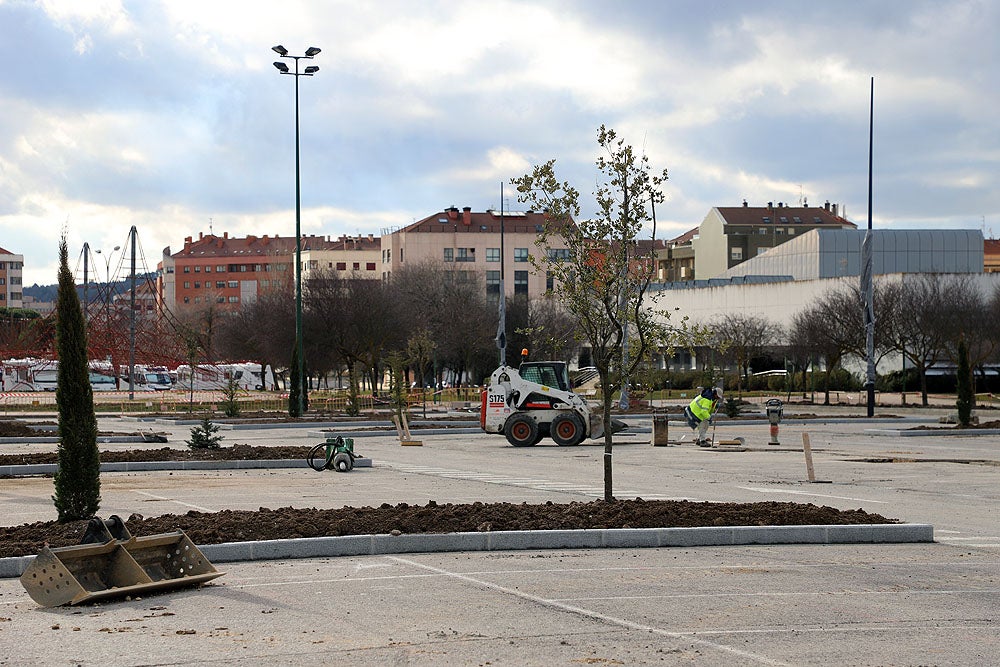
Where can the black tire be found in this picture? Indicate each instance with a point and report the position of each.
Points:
(521, 431)
(342, 462)
(566, 430)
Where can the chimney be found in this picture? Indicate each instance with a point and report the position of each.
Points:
(834, 210)
(371, 237)
(452, 213)
(187, 241)
(467, 216)
(826, 206)
(745, 205)
(200, 236)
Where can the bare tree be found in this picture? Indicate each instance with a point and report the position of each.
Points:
(745, 337)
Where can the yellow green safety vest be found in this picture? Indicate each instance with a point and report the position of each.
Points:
(702, 407)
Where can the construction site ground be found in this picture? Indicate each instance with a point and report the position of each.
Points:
(907, 604)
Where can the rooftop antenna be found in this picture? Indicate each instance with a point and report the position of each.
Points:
(211, 233)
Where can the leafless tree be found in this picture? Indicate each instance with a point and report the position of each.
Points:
(744, 337)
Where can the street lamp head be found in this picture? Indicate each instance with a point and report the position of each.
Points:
(280, 50)
(312, 69)
(312, 51)
(282, 67)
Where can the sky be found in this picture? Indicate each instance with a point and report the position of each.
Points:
(169, 115)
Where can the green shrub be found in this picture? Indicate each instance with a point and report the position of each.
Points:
(204, 436)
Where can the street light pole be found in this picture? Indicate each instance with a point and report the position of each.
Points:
(309, 71)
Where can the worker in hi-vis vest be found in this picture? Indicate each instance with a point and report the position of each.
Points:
(700, 412)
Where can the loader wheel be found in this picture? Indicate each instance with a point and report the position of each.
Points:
(342, 462)
(521, 431)
(566, 430)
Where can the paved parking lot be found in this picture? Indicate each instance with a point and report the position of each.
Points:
(835, 604)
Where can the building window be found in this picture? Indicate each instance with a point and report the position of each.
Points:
(187, 285)
(3, 281)
(197, 299)
(220, 283)
(493, 254)
(234, 283)
(736, 254)
(218, 299)
(550, 281)
(234, 299)
(197, 269)
(493, 282)
(560, 254)
(187, 269)
(221, 268)
(464, 276)
(197, 285)
(466, 255)
(187, 299)
(400, 255)
(449, 254)
(15, 280)
(370, 266)
(356, 266)
(341, 266)
(521, 255)
(521, 282)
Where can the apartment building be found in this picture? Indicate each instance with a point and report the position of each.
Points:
(11, 268)
(227, 271)
(468, 243)
(731, 235)
(345, 257)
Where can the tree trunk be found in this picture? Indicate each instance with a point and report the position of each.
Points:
(608, 445)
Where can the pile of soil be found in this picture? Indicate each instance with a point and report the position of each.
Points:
(233, 453)
(289, 522)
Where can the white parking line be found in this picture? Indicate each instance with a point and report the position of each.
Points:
(178, 502)
(593, 615)
(814, 495)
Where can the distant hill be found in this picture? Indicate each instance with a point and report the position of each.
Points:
(49, 292)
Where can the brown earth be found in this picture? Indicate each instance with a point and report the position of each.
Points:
(288, 522)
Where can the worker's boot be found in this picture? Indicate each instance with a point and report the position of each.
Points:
(704, 443)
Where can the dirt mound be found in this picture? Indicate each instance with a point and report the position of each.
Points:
(288, 522)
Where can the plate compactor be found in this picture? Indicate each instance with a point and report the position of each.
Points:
(334, 454)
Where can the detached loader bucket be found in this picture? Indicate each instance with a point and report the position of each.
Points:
(597, 426)
(91, 572)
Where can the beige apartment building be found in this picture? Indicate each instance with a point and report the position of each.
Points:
(730, 235)
(11, 271)
(468, 243)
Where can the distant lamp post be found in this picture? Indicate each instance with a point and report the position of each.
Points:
(107, 275)
(309, 71)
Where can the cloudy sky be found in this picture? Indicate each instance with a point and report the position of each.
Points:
(169, 115)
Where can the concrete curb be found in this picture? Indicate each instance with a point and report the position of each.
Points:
(147, 466)
(940, 432)
(515, 540)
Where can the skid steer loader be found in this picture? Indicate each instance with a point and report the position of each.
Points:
(535, 401)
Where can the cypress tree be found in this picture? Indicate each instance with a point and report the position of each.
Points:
(78, 478)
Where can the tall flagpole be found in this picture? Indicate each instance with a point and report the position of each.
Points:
(867, 289)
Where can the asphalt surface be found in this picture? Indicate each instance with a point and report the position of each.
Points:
(855, 604)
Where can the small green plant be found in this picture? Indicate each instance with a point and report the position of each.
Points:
(205, 435)
(732, 407)
(230, 393)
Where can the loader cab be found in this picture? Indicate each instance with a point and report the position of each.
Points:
(549, 373)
